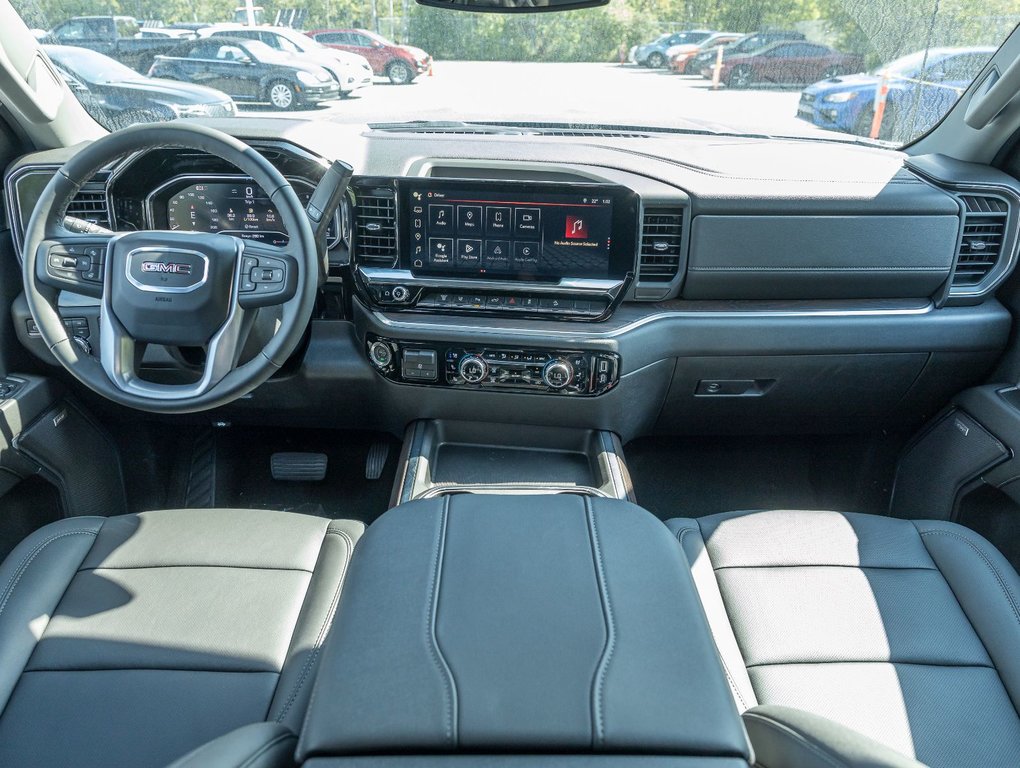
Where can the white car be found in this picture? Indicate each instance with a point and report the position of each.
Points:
(350, 70)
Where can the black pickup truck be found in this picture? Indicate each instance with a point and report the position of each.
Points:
(116, 36)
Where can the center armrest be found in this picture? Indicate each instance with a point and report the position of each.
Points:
(536, 624)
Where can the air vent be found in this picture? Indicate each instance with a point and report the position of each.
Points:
(661, 236)
(91, 203)
(981, 247)
(375, 226)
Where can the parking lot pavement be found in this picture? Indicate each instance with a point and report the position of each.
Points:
(582, 93)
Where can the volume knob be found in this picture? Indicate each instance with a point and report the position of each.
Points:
(473, 369)
(558, 374)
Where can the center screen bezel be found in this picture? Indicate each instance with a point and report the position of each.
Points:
(623, 228)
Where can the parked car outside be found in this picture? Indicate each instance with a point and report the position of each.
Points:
(350, 70)
(248, 70)
(165, 33)
(653, 54)
(400, 63)
(682, 56)
(746, 44)
(115, 36)
(922, 88)
(117, 96)
(786, 63)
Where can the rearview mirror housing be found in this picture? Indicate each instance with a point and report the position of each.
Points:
(513, 6)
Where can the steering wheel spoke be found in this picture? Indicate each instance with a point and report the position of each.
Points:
(269, 275)
(75, 263)
(120, 356)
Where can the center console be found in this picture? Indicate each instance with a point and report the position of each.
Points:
(498, 630)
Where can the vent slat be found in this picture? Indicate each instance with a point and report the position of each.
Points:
(91, 204)
(984, 227)
(661, 244)
(375, 226)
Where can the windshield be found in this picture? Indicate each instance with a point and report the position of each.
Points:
(797, 71)
(88, 65)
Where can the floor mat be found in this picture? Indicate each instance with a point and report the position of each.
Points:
(697, 476)
(243, 477)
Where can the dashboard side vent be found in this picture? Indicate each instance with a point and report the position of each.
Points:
(981, 246)
(91, 204)
(375, 226)
(661, 242)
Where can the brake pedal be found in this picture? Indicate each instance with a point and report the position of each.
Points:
(376, 461)
(298, 467)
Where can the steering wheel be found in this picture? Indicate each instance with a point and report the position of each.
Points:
(172, 288)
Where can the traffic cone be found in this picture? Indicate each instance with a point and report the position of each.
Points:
(430, 69)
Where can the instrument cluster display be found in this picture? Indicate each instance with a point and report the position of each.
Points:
(240, 208)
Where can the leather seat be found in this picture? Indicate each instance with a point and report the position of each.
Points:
(905, 631)
(129, 641)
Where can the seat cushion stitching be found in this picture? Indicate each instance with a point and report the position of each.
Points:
(430, 629)
(718, 568)
(726, 670)
(23, 566)
(326, 623)
(610, 646)
(790, 732)
(220, 566)
(803, 663)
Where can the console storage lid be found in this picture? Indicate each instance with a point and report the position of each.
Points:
(534, 624)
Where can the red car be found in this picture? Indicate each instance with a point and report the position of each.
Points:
(400, 63)
(786, 63)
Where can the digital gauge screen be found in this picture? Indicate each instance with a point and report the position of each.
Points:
(233, 208)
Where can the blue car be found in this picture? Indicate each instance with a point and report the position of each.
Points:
(922, 88)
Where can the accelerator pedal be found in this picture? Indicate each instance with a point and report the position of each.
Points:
(299, 467)
(376, 461)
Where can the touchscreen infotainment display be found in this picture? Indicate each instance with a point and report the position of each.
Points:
(497, 230)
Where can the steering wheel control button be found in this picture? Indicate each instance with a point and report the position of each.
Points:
(419, 365)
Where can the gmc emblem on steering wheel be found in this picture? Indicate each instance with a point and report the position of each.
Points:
(170, 268)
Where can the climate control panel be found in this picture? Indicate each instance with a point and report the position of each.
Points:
(544, 371)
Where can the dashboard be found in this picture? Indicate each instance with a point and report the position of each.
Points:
(647, 283)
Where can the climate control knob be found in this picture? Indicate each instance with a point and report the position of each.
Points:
(557, 374)
(473, 369)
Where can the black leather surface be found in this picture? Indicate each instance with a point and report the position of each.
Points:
(904, 631)
(527, 623)
(129, 641)
(260, 745)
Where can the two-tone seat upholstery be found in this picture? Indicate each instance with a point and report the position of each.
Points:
(907, 632)
(128, 641)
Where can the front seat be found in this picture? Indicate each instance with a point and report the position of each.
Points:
(128, 641)
(907, 632)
